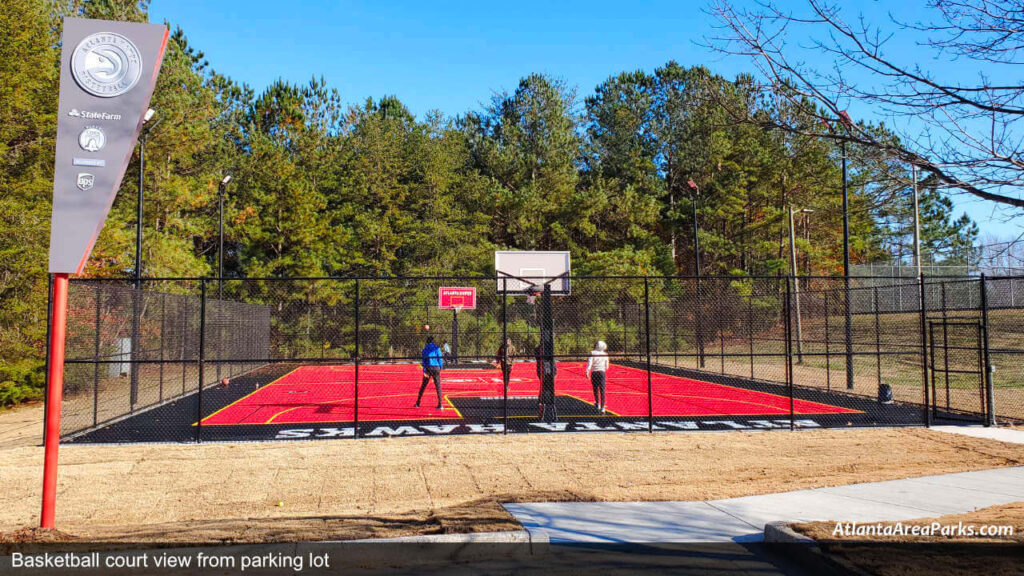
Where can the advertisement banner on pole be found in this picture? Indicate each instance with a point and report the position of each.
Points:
(108, 71)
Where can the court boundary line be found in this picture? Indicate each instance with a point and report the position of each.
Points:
(447, 398)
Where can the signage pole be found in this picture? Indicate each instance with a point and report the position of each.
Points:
(55, 393)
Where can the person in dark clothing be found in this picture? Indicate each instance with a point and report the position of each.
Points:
(504, 359)
(433, 361)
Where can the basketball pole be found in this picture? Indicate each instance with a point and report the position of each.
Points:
(455, 335)
(54, 396)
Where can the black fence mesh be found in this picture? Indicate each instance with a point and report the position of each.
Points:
(250, 359)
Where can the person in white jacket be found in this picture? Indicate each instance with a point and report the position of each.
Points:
(597, 367)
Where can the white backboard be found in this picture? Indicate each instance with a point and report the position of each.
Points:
(519, 270)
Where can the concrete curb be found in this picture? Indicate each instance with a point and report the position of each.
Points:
(806, 552)
(403, 552)
(781, 533)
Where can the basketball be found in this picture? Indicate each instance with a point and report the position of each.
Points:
(426, 327)
(224, 382)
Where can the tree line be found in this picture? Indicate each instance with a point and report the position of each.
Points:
(324, 188)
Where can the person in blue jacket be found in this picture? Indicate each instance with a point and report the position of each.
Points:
(433, 361)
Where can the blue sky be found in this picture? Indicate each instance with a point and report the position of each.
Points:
(454, 56)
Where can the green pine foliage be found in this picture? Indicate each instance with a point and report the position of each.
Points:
(321, 188)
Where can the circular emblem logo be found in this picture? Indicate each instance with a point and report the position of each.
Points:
(92, 139)
(106, 64)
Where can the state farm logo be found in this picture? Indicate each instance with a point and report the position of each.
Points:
(76, 113)
(106, 64)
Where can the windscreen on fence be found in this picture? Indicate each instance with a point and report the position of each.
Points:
(283, 358)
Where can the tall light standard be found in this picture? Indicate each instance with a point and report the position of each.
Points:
(220, 267)
(699, 330)
(220, 243)
(137, 295)
(917, 223)
(796, 283)
(844, 119)
(138, 206)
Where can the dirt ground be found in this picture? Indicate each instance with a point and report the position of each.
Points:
(347, 489)
(959, 555)
(1005, 515)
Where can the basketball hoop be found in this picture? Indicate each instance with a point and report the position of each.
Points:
(457, 308)
(531, 295)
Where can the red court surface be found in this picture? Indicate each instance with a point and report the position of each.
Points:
(313, 394)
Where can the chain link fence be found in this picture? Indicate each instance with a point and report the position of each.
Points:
(251, 359)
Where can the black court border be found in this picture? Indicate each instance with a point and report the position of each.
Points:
(175, 421)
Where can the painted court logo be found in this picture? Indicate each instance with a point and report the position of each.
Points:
(106, 64)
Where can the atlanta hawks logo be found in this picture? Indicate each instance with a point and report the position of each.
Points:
(106, 64)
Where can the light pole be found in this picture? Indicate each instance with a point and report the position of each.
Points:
(699, 329)
(844, 119)
(220, 242)
(796, 283)
(137, 295)
(138, 207)
(917, 223)
(220, 268)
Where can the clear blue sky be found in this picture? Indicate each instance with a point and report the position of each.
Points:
(454, 56)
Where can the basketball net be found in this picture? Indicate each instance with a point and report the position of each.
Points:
(531, 296)
(457, 308)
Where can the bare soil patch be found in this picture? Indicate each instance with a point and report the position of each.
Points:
(892, 556)
(344, 489)
(1005, 515)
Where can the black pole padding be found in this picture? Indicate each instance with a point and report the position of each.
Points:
(355, 358)
(505, 360)
(647, 330)
(546, 367)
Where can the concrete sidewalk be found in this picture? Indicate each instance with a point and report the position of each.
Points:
(743, 519)
(1002, 434)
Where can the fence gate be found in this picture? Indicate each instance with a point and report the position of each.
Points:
(957, 361)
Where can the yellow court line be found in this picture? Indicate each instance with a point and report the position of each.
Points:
(285, 411)
(275, 381)
(585, 402)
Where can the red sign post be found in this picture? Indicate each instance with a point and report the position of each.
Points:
(456, 299)
(99, 117)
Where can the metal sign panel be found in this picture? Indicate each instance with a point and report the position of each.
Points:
(451, 297)
(108, 72)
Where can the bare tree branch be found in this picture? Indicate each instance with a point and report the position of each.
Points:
(966, 135)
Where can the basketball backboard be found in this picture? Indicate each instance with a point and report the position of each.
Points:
(456, 298)
(519, 271)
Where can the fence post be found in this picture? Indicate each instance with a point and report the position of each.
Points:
(878, 337)
(163, 320)
(647, 330)
(136, 353)
(849, 332)
(96, 360)
(924, 350)
(788, 307)
(355, 403)
(699, 332)
(990, 407)
(750, 328)
(184, 341)
(505, 373)
(828, 352)
(202, 358)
